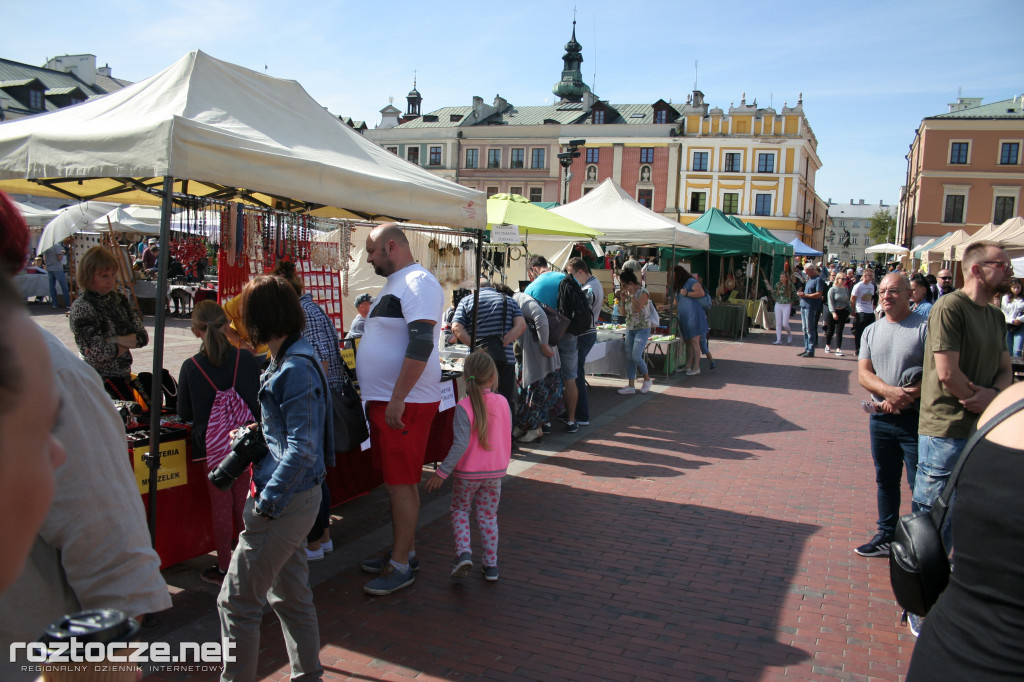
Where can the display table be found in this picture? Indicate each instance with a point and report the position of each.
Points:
(34, 285)
(727, 320)
(608, 356)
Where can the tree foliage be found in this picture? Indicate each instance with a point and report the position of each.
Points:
(882, 226)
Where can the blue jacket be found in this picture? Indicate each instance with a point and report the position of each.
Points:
(298, 425)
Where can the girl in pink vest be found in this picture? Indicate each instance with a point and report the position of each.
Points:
(478, 458)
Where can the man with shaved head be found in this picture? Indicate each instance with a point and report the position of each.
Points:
(400, 379)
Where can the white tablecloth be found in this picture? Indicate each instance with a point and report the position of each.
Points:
(32, 285)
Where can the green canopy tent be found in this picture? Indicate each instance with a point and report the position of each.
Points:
(781, 252)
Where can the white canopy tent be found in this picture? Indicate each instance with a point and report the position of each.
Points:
(36, 216)
(208, 128)
(611, 210)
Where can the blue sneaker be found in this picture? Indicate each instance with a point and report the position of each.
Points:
(377, 564)
(915, 623)
(462, 565)
(390, 580)
(490, 573)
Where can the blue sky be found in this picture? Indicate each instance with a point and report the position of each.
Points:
(869, 71)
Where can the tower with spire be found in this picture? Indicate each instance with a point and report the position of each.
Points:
(571, 88)
(414, 99)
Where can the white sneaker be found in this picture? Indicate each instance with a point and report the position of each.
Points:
(646, 386)
(777, 343)
(314, 554)
(827, 349)
(327, 547)
(692, 372)
(626, 390)
(839, 353)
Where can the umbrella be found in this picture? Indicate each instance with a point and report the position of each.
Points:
(71, 220)
(887, 248)
(514, 209)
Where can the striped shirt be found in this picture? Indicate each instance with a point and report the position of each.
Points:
(491, 322)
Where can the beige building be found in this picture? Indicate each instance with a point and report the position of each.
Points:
(851, 222)
(964, 170)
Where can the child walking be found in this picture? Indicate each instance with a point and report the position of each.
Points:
(478, 459)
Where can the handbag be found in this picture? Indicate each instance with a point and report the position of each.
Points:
(492, 344)
(557, 324)
(349, 420)
(918, 559)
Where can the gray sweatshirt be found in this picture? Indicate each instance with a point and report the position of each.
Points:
(838, 299)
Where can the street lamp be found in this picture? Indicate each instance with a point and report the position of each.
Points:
(565, 158)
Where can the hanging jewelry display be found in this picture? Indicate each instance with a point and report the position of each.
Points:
(345, 255)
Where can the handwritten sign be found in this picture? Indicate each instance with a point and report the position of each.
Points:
(447, 396)
(503, 233)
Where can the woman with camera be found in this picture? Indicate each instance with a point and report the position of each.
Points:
(203, 385)
(269, 564)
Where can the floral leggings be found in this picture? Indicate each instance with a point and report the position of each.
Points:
(486, 493)
(537, 400)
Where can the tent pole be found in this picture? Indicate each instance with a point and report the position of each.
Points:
(476, 287)
(152, 459)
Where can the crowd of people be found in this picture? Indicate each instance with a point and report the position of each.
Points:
(934, 361)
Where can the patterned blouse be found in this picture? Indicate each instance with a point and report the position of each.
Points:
(779, 293)
(636, 319)
(97, 317)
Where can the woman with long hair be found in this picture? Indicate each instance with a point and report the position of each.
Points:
(784, 294)
(217, 367)
(690, 317)
(921, 298)
(1013, 309)
(638, 329)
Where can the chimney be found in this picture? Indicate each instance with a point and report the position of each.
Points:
(104, 71)
(861, 202)
(500, 103)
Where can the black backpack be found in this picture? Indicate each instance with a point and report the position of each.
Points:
(572, 303)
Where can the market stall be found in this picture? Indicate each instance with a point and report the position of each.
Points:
(204, 129)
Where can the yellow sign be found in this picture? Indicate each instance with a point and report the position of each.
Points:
(173, 469)
(349, 356)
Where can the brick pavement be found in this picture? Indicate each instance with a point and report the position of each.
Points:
(701, 532)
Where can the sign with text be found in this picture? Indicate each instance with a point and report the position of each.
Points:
(503, 233)
(173, 469)
(447, 396)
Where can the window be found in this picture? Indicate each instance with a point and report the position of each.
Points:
(393, 150)
(661, 116)
(537, 158)
(763, 204)
(494, 158)
(35, 99)
(1004, 209)
(853, 239)
(593, 155)
(700, 161)
(867, 241)
(698, 201)
(536, 194)
(435, 156)
(517, 158)
(647, 155)
(598, 117)
(645, 197)
(954, 209)
(472, 157)
(1009, 153)
(491, 191)
(732, 162)
(958, 152)
(413, 154)
(515, 190)
(730, 202)
(765, 163)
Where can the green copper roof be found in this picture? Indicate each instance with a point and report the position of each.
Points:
(1006, 108)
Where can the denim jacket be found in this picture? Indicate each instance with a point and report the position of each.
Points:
(297, 423)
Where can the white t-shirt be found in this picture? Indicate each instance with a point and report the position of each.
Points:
(410, 294)
(860, 291)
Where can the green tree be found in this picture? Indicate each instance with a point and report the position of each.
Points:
(883, 226)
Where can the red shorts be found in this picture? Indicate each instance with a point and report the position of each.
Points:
(400, 455)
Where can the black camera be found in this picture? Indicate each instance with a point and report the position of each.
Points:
(247, 447)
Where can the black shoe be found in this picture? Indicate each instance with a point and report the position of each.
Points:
(571, 427)
(212, 575)
(545, 428)
(803, 355)
(877, 546)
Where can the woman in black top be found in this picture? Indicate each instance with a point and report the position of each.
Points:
(218, 360)
(975, 631)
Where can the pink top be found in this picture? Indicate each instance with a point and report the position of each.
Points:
(467, 459)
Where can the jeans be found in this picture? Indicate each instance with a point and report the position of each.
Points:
(269, 566)
(936, 458)
(636, 342)
(893, 445)
(1015, 340)
(809, 319)
(56, 277)
(584, 342)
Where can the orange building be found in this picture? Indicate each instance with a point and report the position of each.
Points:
(964, 170)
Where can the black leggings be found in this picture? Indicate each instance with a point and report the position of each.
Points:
(835, 327)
